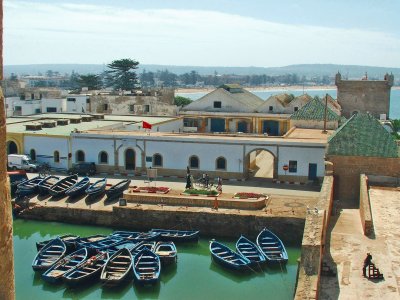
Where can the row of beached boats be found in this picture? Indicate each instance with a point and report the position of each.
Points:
(268, 249)
(70, 186)
(112, 259)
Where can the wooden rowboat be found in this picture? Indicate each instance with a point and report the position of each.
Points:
(272, 247)
(248, 249)
(49, 254)
(63, 185)
(78, 188)
(228, 258)
(47, 183)
(117, 189)
(117, 269)
(146, 267)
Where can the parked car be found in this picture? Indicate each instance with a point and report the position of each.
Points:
(84, 168)
(21, 162)
(16, 177)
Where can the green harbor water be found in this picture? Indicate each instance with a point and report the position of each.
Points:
(194, 277)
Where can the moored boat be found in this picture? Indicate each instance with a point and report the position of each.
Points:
(28, 187)
(136, 236)
(47, 183)
(177, 235)
(167, 252)
(91, 239)
(49, 254)
(146, 267)
(129, 235)
(97, 188)
(272, 247)
(117, 189)
(89, 270)
(101, 244)
(55, 273)
(251, 251)
(78, 188)
(117, 269)
(228, 258)
(63, 185)
(68, 239)
(151, 245)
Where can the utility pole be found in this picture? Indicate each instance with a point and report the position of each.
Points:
(7, 283)
(325, 113)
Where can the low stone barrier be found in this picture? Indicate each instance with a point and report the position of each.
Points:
(198, 201)
(313, 243)
(365, 206)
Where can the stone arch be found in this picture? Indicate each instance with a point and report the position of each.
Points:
(251, 167)
(12, 147)
(130, 159)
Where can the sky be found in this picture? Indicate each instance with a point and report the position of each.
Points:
(260, 33)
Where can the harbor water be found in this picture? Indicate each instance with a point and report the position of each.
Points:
(195, 276)
(265, 94)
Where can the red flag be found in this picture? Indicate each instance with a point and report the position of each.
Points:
(146, 125)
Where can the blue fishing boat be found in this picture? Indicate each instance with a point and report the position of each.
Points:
(49, 254)
(97, 188)
(272, 247)
(63, 185)
(129, 235)
(118, 268)
(89, 270)
(248, 249)
(177, 235)
(69, 240)
(117, 189)
(122, 244)
(137, 236)
(167, 252)
(90, 239)
(228, 258)
(101, 244)
(47, 183)
(146, 267)
(151, 245)
(56, 272)
(78, 188)
(28, 187)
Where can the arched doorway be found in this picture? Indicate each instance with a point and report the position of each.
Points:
(262, 164)
(130, 159)
(12, 148)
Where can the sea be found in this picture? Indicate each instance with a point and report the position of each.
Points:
(195, 276)
(265, 94)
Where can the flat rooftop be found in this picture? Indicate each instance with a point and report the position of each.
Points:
(314, 136)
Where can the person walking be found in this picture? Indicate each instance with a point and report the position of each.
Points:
(367, 262)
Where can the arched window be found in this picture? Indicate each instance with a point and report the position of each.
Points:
(157, 160)
(56, 156)
(194, 162)
(12, 147)
(103, 157)
(221, 163)
(80, 156)
(32, 154)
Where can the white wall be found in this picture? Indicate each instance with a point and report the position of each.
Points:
(9, 104)
(77, 106)
(303, 156)
(45, 147)
(59, 104)
(28, 107)
(170, 126)
(92, 148)
(176, 154)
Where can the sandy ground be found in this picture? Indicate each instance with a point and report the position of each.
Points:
(348, 247)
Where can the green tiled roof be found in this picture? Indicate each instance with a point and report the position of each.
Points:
(314, 110)
(362, 135)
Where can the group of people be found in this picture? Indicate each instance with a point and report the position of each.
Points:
(205, 180)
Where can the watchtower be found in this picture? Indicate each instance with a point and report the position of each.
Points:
(372, 96)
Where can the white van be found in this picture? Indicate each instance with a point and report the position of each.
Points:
(21, 162)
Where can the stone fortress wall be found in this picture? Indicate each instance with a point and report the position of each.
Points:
(365, 95)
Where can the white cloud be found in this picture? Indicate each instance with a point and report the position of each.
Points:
(71, 33)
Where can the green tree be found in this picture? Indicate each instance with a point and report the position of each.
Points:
(396, 128)
(91, 81)
(121, 74)
(182, 101)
